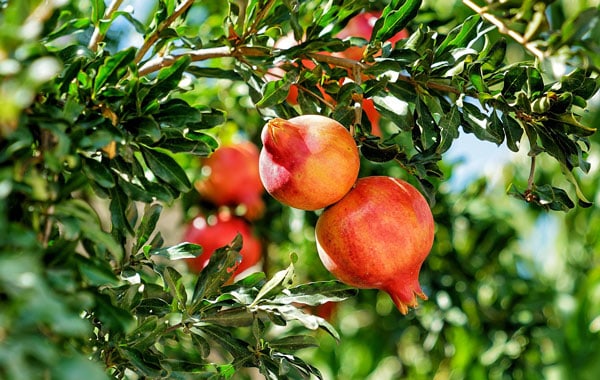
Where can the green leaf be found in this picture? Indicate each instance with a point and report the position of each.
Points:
(146, 363)
(213, 72)
(235, 317)
(98, 8)
(449, 124)
(153, 306)
(98, 173)
(275, 92)
(514, 80)
(396, 15)
(280, 279)
(292, 313)
(460, 37)
(553, 198)
(70, 27)
(166, 168)
(218, 270)
(294, 343)
(494, 57)
(88, 225)
(168, 79)
(583, 201)
(476, 77)
(315, 293)
(176, 113)
(112, 317)
(118, 211)
(148, 332)
(178, 252)
(475, 122)
(376, 152)
(237, 347)
(139, 27)
(97, 272)
(113, 68)
(146, 128)
(427, 135)
(148, 224)
(201, 144)
(513, 132)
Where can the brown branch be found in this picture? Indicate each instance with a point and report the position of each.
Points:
(337, 61)
(97, 37)
(154, 36)
(502, 28)
(196, 55)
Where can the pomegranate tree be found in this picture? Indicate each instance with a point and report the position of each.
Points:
(378, 236)
(308, 162)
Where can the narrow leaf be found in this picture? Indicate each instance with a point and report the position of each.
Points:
(112, 66)
(394, 18)
(166, 168)
(281, 278)
(179, 251)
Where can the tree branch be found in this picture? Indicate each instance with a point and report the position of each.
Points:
(154, 36)
(502, 28)
(337, 61)
(196, 55)
(97, 37)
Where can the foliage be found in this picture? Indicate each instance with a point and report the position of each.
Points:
(98, 138)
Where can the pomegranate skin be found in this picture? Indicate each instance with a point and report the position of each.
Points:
(218, 231)
(308, 162)
(378, 236)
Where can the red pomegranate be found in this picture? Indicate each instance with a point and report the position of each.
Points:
(232, 178)
(308, 162)
(378, 236)
(217, 231)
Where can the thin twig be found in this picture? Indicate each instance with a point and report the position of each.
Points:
(337, 61)
(196, 55)
(154, 36)
(97, 36)
(502, 28)
(531, 179)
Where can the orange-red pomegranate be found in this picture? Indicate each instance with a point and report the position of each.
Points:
(218, 231)
(308, 162)
(378, 236)
(232, 178)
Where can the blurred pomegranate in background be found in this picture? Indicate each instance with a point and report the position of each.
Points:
(232, 179)
(217, 231)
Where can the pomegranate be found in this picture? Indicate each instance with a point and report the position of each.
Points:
(217, 231)
(378, 236)
(308, 162)
(232, 179)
